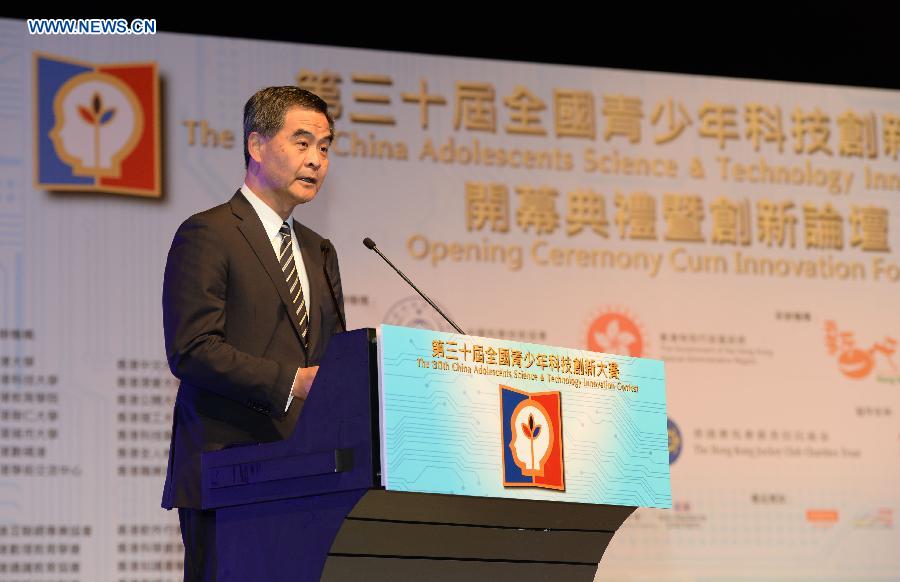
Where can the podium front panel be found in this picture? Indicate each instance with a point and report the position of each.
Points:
(485, 417)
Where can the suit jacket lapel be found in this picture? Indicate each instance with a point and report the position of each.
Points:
(252, 229)
(312, 261)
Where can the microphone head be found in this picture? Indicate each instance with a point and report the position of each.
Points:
(370, 244)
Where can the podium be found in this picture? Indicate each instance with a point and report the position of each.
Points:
(316, 507)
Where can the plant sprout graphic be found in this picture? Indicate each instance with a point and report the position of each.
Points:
(96, 116)
(531, 431)
(532, 438)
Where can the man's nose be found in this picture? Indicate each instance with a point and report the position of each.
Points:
(314, 158)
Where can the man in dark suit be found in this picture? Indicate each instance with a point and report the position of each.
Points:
(250, 300)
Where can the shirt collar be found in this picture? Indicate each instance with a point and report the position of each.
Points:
(270, 219)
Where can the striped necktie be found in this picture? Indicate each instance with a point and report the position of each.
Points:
(295, 289)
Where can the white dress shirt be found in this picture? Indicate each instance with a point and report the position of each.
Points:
(272, 223)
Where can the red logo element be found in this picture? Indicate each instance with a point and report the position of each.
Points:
(854, 362)
(613, 332)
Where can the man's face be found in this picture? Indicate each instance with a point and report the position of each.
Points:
(294, 162)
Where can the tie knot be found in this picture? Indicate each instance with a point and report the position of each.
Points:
(285, 229)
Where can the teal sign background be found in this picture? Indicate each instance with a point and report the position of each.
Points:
(442, 430)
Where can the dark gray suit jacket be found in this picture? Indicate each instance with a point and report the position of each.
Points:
(230, 338)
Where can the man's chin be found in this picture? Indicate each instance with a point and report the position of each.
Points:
(304, 195)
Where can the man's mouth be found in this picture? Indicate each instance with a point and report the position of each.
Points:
(308, 180)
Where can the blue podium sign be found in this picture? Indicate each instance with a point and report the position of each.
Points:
(486, 417)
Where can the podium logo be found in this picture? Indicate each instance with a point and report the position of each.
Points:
(531, 426)
(97, 127)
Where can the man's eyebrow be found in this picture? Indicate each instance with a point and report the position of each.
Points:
(301, 133)
(309, 135)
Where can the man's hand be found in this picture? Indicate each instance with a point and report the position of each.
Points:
(303, 381)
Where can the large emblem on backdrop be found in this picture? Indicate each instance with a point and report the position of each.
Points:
(97, 127)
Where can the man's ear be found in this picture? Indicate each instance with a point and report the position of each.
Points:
(254, 144)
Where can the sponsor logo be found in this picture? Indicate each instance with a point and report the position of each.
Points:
(857, 362)
(675, 441)
(415, 312)
(614, 331)
(825, 517)
(881, 518)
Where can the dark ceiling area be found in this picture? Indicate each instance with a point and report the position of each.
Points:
(852, 45)
(848, 44)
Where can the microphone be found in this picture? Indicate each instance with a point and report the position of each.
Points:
(370, 244)
(326, 248)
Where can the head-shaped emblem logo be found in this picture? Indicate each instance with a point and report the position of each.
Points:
(98, 122)
(97, 127)
(532, 439)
